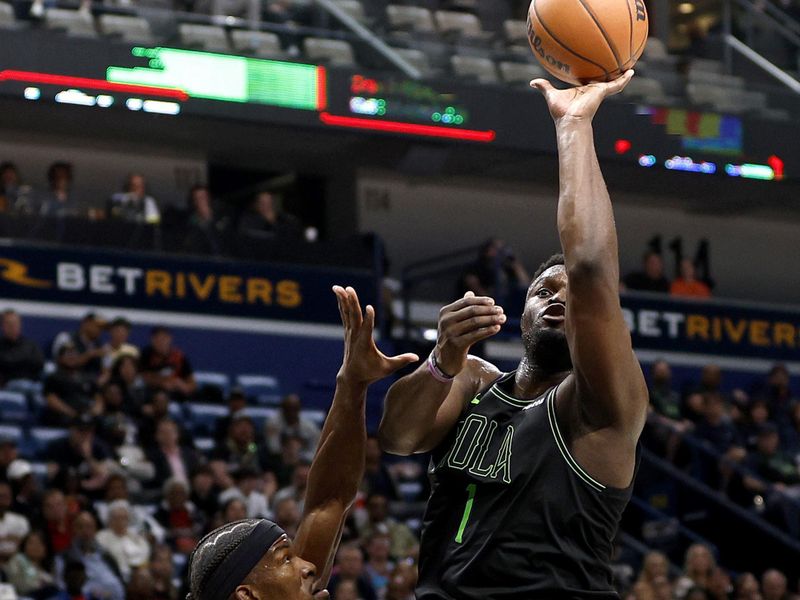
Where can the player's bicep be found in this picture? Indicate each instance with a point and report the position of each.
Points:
(477, 374)
(607, 374)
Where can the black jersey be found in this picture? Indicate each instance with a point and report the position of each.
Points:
(512, 516)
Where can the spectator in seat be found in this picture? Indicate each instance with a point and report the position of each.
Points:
(402, 582)
(170, 459)
(350, 567)
(103, 578)
(264, 220)
(651, 277)
(240, 450)
(791, 432)
(8, 454)
(774, 586)
(25, 489)
(771, 463)
(57, 521)
(746, 588)
(289, 422)
(119, 330)
(717, 427)
(74, 582)
(720, 586)
(379, 565)
(205, 493)
(687, 285)
(59, 201)
(756, 416)
(655, 566)
(133, 203)
(30, 570)
(778, 394)
(287, 516)
(13, 526)
(166, 367)
(698, 569)
(346, 589)
(402, 539)
(664, 399)
(297, 490)
(69, 392)
(237, 401)
(178, 516)
(205, 233)
(140, 586)
(79, 455)
(15, 197)
(161, 573)
(247, 490)
(20, 357)
(87, 344)
(377, 478)
(141, 519)
(234, 509)
(128, 549)
(155, 409)
(496, 272)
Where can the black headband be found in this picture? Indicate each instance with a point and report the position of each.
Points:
(238, 564)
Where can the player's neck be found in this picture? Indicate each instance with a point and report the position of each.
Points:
(531, 381)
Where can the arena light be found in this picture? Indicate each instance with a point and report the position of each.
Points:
(750, 171)
(32, 93)
(470, 135)
(228, 78)
(777, 166)
(647, 160)
(622, 146)
(90, 84)
(685, 163)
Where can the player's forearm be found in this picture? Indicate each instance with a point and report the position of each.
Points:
(409, 412)
(585, 216)
(339, 463)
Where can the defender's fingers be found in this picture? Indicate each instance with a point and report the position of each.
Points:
(355, 307)
(398, 362)
(340, 303)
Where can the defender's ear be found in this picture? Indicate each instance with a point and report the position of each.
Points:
(245, 592)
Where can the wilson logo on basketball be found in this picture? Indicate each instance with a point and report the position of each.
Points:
(552, 61)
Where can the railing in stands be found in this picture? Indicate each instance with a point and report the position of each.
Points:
(763, 14)
(712, 515)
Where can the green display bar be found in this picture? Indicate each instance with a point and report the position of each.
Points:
(228, 78)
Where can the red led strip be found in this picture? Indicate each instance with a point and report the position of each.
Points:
(322, 88)
(94, 84)
(471, 135)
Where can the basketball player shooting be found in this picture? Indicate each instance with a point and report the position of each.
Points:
(254, 559)
(532, 469)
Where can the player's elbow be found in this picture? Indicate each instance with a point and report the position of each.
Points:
(393, 442)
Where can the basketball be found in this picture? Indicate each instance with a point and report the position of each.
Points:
(580, 41)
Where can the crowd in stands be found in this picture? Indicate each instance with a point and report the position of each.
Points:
(124, 495)
(205, 227)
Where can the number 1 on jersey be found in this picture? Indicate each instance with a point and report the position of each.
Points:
(467, 510)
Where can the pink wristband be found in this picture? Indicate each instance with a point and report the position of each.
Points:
(436, 372)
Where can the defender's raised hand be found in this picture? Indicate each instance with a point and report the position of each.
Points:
(579, 103)
(363, 363)
(463, 324)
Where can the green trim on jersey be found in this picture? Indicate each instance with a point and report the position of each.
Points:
(562, 446)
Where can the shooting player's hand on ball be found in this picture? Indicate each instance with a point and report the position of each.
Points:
(579, 103)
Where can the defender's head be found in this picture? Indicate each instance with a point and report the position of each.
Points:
(544, 318)
(231, 563)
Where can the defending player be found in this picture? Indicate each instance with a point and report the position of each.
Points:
(254, 559)
(528, 489)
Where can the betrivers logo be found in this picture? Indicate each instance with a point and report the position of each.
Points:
(17, 272)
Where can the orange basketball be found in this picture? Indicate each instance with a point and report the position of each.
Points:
(580, 41)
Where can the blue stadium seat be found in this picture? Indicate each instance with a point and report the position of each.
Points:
(203, 417)
(11, 432)
(256, 385)
(25, 386)
(176, 411)
(41, 437)
(210, 378)
(13, 407)
(317, 416)
(260, 414)
(204, 444)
